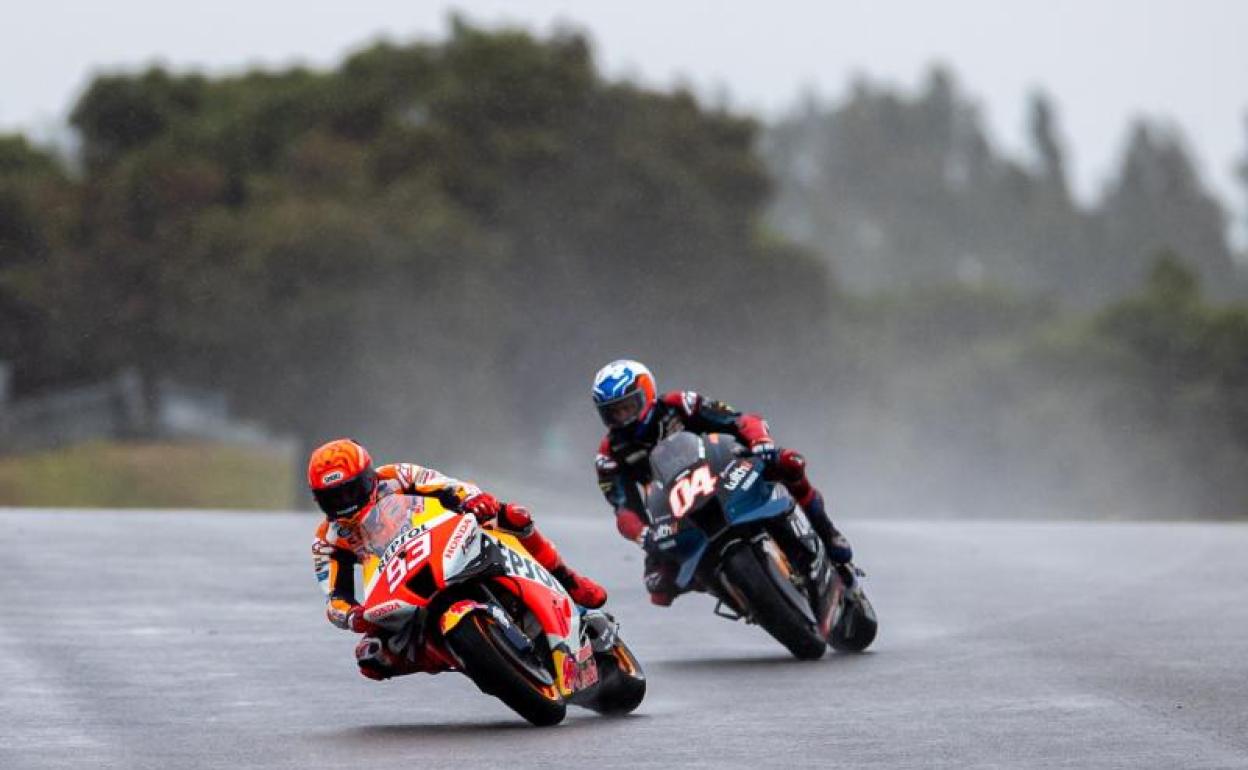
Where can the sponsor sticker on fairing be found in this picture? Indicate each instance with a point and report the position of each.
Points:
(519, 566)
(458, 538)
(580, 671)
(735, 475)
(383, 610)
(410, 532)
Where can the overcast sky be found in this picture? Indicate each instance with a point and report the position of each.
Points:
(1104, 61)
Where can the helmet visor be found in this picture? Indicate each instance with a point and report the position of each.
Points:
(622, 411)
(348, 497)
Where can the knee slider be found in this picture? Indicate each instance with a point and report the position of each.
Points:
(369, 649)
(660, 578)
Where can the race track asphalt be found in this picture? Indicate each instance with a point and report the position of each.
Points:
(193, 639)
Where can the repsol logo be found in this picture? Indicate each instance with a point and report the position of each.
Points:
(407, 534)
(519, 566)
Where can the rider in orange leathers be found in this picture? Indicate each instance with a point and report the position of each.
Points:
(346, 486)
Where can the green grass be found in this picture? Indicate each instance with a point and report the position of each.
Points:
(149, 475)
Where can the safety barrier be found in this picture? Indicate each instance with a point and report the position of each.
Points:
(121, 408)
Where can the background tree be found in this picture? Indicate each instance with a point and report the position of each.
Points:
(1158, 203)
(433, 245)
(900, 190)
(333, 247)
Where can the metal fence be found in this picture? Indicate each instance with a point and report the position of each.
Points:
(120, 408)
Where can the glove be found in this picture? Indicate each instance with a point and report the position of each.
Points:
(347, 616)
(764, 449)
(482, 505)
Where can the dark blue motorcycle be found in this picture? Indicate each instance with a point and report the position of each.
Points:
(743, 540)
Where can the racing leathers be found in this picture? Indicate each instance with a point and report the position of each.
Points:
(623, 467)
(340, 545)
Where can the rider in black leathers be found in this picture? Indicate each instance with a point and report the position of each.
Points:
(638, 418)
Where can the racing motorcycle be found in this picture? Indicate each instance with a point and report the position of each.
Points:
(476, 599)
(742, 539)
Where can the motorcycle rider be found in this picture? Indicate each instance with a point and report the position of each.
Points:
(637, 418)
(346, 486)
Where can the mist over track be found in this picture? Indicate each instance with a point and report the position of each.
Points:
(196, 639)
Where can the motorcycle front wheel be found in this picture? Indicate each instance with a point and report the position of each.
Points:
(770, 606)
(498, 669)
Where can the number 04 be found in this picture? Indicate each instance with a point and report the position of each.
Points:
(686, 492)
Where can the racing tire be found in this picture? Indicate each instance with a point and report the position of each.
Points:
(496, 671)
(770, 607)
(856, 628)
(621, 682)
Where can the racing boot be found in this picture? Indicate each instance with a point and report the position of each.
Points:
(378, 662)
(791, 468)
(838, 548)
(660, 580)
(585, 592)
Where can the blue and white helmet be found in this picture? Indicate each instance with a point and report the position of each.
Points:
(624, 393)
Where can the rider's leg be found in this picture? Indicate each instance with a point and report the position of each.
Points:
(790, 469)
(377, 661)
(584, 591)
(383, 654)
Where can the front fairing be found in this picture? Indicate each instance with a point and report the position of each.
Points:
(742, 488)
(430, 549)
(533, 584)
(740, 495)
(675, 537)
(549, 603)
(405, 538)
(462, 550)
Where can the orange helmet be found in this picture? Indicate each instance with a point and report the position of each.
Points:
(342, 477)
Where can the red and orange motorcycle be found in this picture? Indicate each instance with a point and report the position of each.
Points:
(475, 598)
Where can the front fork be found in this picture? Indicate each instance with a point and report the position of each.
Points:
(601, 629)
(826, 585)
(799, 544)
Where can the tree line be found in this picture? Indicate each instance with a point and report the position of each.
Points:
(907, 190)
(433, 245)
(425, 230)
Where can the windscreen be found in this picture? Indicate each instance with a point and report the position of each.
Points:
(674, 454)
(390, 517)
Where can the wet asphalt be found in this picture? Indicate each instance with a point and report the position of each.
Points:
(197, 639)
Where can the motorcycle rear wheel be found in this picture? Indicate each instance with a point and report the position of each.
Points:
(857, 626)
(770, 607)
(477, 643)
(621, 682)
